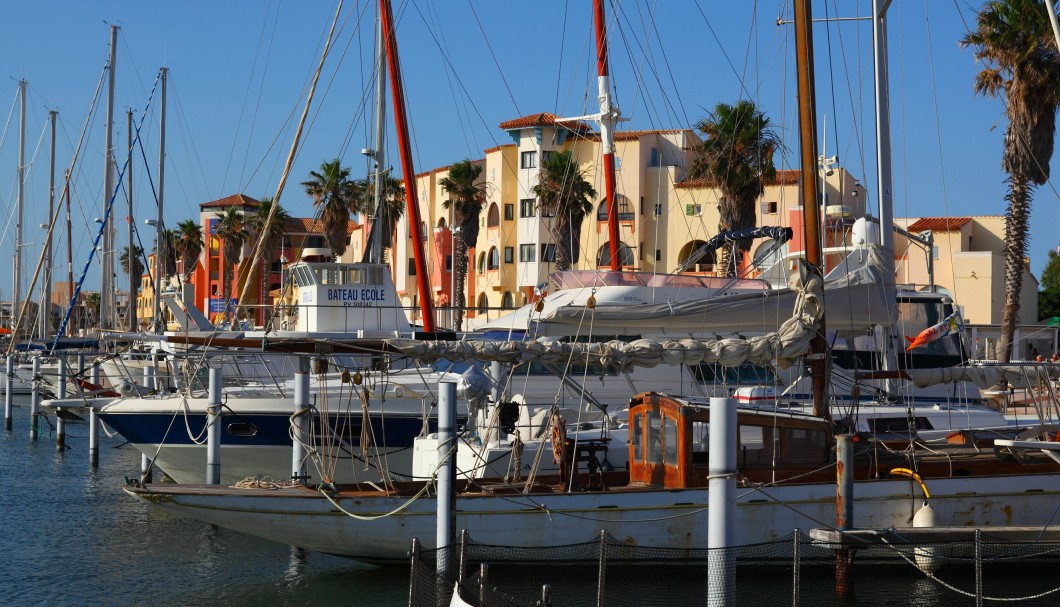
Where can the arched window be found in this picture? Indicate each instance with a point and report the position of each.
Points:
(704, 264)
(601, 211)
(482, 262)
(625, 212)
(483, 303)
(507, 302)
(494, 261)
(493, 217)
(625, 255)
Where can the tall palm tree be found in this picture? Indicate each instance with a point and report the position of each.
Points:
(1013, 40)
(188, 245)
(563, 193)
(135, 262)
(334, 195)
(231, 229)
(269, 235)
(466, 196)
(736, 157)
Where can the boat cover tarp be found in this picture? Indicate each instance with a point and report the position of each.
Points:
(986, 376)
(857, 295)
(785, 345)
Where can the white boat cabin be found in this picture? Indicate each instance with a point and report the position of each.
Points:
(354, 299)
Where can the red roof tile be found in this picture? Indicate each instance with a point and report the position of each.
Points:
(938, 224)
(499, 147)
(632, 135)
(787, 177)
(542, 119)
(235, 200)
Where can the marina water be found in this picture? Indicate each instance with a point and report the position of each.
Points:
(73, 537)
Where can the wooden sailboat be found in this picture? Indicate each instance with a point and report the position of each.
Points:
(786, 470)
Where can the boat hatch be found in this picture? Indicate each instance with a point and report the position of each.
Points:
(242, 429)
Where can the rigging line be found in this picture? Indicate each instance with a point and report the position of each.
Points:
(938, 139)
(246, 93)
(831, 78)
(256, 254)
(448, 73)
(651, 32)
(855, 131)
(102, 227)
(562, 50)
(722, 49)
(649, 100)
(191, 154)
(493, 55)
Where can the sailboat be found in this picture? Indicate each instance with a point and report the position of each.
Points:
(786, 468)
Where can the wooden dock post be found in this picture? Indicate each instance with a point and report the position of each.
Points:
(213, 429)
(8, 387)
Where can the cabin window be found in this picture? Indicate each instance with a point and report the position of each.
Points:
(898, 424)
(753, 447)
(700, 442)
(669, 432)
(653, 452)
(638, 451)
(804, 445)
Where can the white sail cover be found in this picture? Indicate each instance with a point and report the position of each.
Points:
(784, 345)
(984, 376)
(857, 295)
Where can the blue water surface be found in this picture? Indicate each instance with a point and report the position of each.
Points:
(72, 537)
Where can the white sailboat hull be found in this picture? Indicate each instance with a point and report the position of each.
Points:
(381, 528)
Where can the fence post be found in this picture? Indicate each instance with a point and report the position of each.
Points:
(414, 557)
(978, 569)
(483, 579)
(795, 561)
(601, 573)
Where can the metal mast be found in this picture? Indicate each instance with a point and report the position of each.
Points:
(46, 290)
(607, 118)
(16, 297)
(157, 320)
(106, 296)
(133, 278)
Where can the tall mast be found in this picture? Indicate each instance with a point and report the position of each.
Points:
(607, 118)
(106, 299)
(69, 247)
(46, 290)
(381, 221)
(405, 149)
(810, 209)
(157, 319)
(16, 297)
(133, 279)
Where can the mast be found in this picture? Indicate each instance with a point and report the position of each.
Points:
(157, 318)
(376, 240)
(131, 222)
(607, 119)
(46, 290)
(16, 297)
(106, 296)
(405, 149)
(811, 215)
(69, 245)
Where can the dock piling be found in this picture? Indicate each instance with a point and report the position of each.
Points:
(721, 509)
(93, 438)
(213, 432)
(8, 387)
(34, 401)
(300, 428)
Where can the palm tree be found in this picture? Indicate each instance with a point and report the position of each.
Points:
(563, 192)
(135, 262)
(335, 196)
(269, 235)
(231, 229)
(393, 203)
(1014, 41)
(188, 245)
(736, 157)
(466, 197)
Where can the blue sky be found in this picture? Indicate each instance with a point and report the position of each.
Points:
(239, 70)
